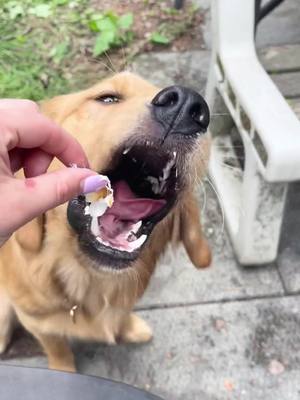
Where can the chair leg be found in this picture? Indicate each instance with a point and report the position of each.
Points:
(260, 216)
(253, 190)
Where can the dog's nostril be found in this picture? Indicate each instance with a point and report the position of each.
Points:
(173, 99)
(199, 114)
(195, 112)
(166, 99)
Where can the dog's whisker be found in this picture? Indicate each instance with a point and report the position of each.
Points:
(204, 196)
(100, 62)
(217, 195)
(220, 203)
(232, 167)
(124, 65)
(220, 115)
(111, 63)
(220, 146)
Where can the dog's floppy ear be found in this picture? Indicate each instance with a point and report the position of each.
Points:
(30, 236)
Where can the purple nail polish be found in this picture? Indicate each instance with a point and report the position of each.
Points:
(94, 183)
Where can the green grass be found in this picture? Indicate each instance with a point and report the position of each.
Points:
(40, 41)
(27, 69)
(51, 47)
(25, 74)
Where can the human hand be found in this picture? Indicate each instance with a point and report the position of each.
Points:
(30, 141)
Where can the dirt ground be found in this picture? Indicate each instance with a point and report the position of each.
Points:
(183, 27)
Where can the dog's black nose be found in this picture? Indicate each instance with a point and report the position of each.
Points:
(181, 111)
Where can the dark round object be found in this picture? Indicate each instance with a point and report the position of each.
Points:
(24, 383)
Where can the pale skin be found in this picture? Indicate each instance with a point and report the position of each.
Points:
(30, 141)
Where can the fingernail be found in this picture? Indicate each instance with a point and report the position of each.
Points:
(93, 183)
(81, 163)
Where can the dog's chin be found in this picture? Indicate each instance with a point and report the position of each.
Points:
(147, 179)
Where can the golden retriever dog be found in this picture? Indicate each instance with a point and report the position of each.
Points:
(60, 278)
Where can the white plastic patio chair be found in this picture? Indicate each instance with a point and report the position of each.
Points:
(253, 197)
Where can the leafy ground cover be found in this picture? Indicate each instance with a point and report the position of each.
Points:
(52, 47)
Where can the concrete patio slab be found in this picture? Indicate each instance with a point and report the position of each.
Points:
(281, 26)
(281, 59)
(289, 257)
(176, 281)
(166, 68)
(278, 28)
(238, 350)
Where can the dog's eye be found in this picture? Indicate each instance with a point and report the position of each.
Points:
(108, 98)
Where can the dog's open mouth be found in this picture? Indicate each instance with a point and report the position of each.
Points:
(145, 182)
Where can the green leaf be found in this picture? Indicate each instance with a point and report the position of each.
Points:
(96, 16)
(14, 9)
(100, 23)
(93, 25)
(103, 43)
(41, 10)
(112, 16)
(159, 38)
(125, 21)
(21, 39)
(58, 52)
(106, 24)
(60, 2)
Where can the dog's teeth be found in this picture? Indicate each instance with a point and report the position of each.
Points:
(136, 227)
(176, 173)
(95, 226)
(167, 170)
(174, 154)
(133, 159)
(126, 150)
(133, 244)
(147, 143)
(155, 184)
(137, 243)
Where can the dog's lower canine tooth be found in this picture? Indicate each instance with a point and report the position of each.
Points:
(126, 150)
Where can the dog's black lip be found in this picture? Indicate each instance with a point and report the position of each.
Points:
(89, 244)
(87, 241)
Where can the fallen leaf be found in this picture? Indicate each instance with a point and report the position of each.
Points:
(220, 324)
(276, 367)
(229, 386)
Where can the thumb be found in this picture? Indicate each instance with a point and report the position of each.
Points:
(28, 198)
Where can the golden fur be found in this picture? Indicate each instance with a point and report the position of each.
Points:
(43, 273)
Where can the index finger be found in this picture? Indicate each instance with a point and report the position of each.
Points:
(34, 130)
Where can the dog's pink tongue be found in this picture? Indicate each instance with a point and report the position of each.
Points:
(127, 209)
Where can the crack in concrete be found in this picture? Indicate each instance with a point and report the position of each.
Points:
(222, 301)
